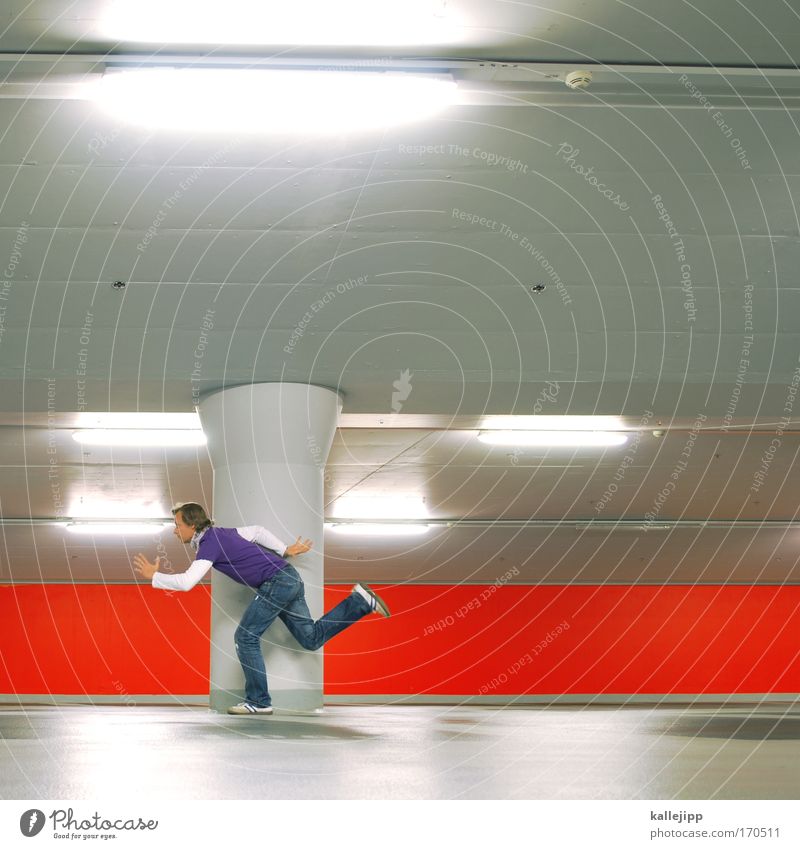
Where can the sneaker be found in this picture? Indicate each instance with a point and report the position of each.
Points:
(375, 602)
(245, 709)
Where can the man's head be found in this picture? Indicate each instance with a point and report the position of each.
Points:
(189, 518)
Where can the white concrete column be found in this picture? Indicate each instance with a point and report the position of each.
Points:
(268, 444)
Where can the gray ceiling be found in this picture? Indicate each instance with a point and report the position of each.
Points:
(265, 225)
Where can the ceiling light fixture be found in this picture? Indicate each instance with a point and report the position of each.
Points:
(553, 438)
(139, 421)
(117, 528)
(539, 422)
(141, 438)
(376, 506)
(229, 100)
(373, 529)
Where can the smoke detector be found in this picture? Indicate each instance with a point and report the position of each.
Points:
(578, 79)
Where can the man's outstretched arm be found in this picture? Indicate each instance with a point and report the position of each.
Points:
(256, 533)
(182, 582)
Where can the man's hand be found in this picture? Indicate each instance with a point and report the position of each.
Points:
(144, 567)
(298, 547)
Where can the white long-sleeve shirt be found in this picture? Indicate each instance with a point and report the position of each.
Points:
(185, 581)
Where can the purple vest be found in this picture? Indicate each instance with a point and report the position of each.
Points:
(232, 554)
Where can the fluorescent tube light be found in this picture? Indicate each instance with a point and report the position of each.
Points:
(304, 22)
(377, 529)
(554, 438)
(138, 421)
(117, 528)
(552, 423)
(262, 101)
(139, 438)
(380, 507)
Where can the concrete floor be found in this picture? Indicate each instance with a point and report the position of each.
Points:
(403, 752)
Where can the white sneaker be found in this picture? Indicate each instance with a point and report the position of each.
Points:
(375, 602)
(246, 709)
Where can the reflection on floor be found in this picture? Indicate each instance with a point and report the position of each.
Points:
(402, 752)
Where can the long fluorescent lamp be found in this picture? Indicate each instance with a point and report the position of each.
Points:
(140, 438)
(117, 528)
(379, 507)
(374, 529)
(552, 438)
(228, 100)
(307, 22)
(540, 422)
(138, 421)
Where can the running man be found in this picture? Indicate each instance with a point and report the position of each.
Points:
(255, 557)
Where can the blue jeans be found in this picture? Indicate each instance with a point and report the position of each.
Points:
(284, 597)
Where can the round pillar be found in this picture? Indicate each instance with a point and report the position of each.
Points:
(268, 444)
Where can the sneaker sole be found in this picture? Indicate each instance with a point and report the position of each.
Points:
(382, 607)
(249, 712)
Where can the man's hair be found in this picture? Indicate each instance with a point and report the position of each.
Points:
(193, 515)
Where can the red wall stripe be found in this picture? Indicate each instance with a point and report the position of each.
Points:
(100, 639)
(441, 640)
(461, 640)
